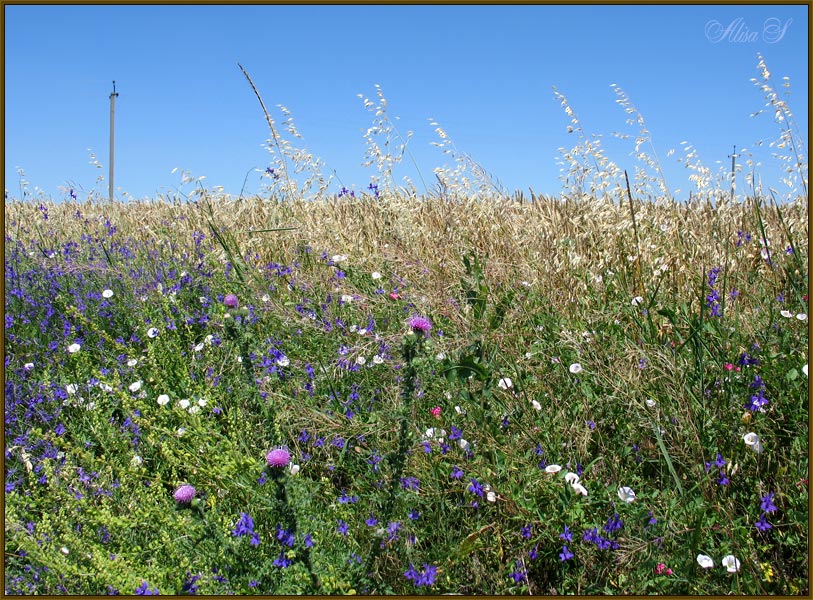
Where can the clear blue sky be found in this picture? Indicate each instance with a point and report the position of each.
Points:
(485, 73)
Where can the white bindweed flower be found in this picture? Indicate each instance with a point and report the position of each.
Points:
(132, 362)
(536, 405)
(294, 469)
(376, 275)
(752, 441)
(637, 300)
(434, 433)
(152, 332)
(731, 564)
(705, 561)
(283, 361)
(360, 360)
(463, 444)
(136, 461)
(651, 403)
(71, 388)
(571, 477)
(553, 469)
(184, 404)
(135, 386)
(505, 383)
(74, 348)
(804, 369)
(626, 494)
(194, 409)
(265, 298)
(337, 258)
(491, 496)
(347, 298)
(576, 368)
(163, 400)
(440, 356)
(579, 489)
(786, 313)
(105, 387)
(377, 360)
(202, 402)
(107, 294)
(801, 316)
(28, 366)
(199, 347)
(181, 431)
(64, 550)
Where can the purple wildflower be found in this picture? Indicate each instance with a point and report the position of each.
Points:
(184, 494)
(420, 324)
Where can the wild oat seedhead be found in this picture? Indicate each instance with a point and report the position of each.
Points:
(790, 145)
(384, 133)
(646, 184)
(589, 171)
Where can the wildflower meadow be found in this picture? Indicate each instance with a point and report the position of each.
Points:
(376, 391)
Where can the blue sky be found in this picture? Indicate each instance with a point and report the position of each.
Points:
(485, 73)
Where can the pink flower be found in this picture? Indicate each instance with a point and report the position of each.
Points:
(278, 457)
(436, 412)
(395, 296)
(184, 494)
(420, 324)
(731, 367)
(231, 301)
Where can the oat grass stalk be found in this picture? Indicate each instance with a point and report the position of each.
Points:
(274, 135)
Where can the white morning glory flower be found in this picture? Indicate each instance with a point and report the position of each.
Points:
(463, 444)
(651, 403)
(152, 332)
(163, 400)
(637, 300)
(505, 383)
(107, 294)
(184, 404)
(536, 405)
(283, 361)
(804, 369)
(199, 347)
(572, 478)
(752, 441)
(132, 362)
(579, 489)
(576, 368)
(194, 409)
(202, 402)
(731, 564)
(71, 388)
(376, 275)
(135, 386)
(786, 313)
(705, 561)
(802, 316)
(626, 494)
(74, 348)
(377, 360)
(553, 469)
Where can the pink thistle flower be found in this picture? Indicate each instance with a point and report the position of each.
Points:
(278, 457)
(231, 301)
(420, 324)
(184, 494)
(436, 412)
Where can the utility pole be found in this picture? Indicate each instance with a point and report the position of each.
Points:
(113, 95)
(733, 157)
